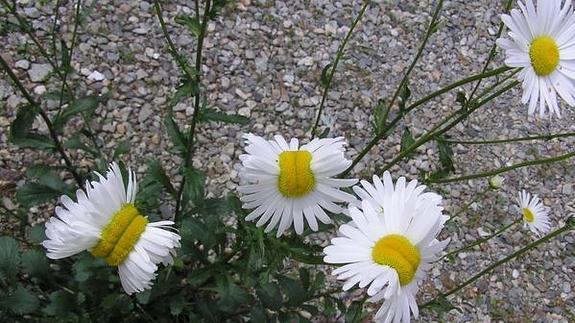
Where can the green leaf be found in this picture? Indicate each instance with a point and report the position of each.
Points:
(188, 89)
(156, 173)
(48, 176)
(37, 233)
(230, 295)
(122, 148)
(75, 142)
(258, 315)
(35, 263)
(445, 155)
(61, 303)
(36, 193)
(9, 256)
(86, 105)
(325, 75)
(175, 134)
(270, 295)
(34, 140)
(144, 297)
(406, 140)
(23, 122)
(293, 290)
(194, 187)
(21, 301)
(461, 98)
(380, 116)
(192, 23)
(404, 94)
(176, 304)
(304, 277)
(209, 114)
(354, 312)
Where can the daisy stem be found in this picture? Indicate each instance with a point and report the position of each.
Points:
(480, 241)
(192, 75)
(509, 140)
(332, 68)
(493, 50)
(416, 104)
(46, 119)
(570, 224)
(468, 205)
(440, 129)
(506, 169)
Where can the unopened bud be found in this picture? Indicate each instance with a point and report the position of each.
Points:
(496, 182)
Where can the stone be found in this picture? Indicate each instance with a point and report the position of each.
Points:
(39, 72)
(22, 64)
(144, 113)
(96, 76)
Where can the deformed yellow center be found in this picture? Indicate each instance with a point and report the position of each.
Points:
(296, 178)
(120, 235)
(544, 55)
(528, 215)
(398, 253)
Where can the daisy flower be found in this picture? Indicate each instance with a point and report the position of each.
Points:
(105, 222)
(543, 46)
(289, 183)
(534, 213)
(390, 244)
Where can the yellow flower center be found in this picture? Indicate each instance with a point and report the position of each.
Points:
(296, 178)
(528, 215)
(398, 253)
(544, 55)
(120, 235)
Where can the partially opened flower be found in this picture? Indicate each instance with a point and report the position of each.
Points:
(534, 213)
(390, 244)
(543, 46)
(105, 222)
(289, 183)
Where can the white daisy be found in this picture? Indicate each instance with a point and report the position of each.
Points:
(534, 213)
(543, 45)
(105, 222)
(390, 244)
(289, 183)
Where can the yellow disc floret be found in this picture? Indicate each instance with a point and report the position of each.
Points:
(544, 55)
(398, 253)
(528, 215)
(120, 235)
(296, 178)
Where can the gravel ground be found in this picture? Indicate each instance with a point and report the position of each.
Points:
(263, 59)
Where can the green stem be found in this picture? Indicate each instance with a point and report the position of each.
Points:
(335, 63)
(568, 226)
(480, 241)
(506, 169)
(428, 33)
(46, 119)
(502, 141)
(468, 205)
(439, 129)
(180, 60)
(70, 53)
(416, 104)
(493, 50)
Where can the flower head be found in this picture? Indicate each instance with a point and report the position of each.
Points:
(105, 221)
(542, 46)
(534, 213)
(496, 182)
(390, 244)
(289, 183)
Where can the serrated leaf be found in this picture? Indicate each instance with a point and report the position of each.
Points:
(21, 301)
(293, 290)
(176, 304)
(258, 315)
(404, 94)
(445, 155)
(21, 125)
(86, 105)
(325, 75)
(354, 312)
(230, 295)
(270, 295)
(380, 116)
(175, 134)
(406, 140)
(157, 174)
(37, 233)
(46, 175)
(194, 187)
(9, 256)
(190, 22)
(209, 114)
(461, 98)
(35, 263)
(35, 193)
(75, 142)
(188, 89)
(122, 148)
(61, 303)
(34, 140)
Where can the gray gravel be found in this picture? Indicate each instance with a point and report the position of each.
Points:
(263, 60)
